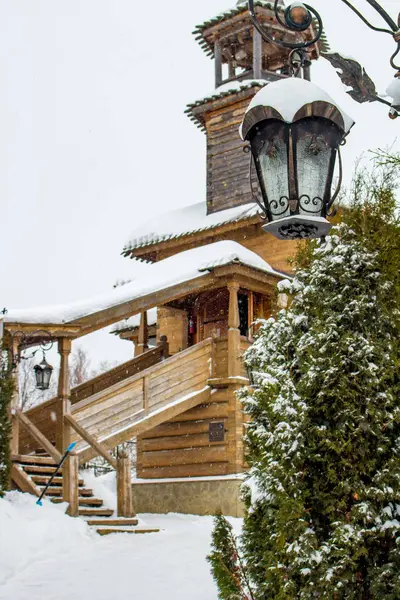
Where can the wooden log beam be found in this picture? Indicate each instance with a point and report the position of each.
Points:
(124, 487)
(143, 338)
(257, 54)
(72, 472)
(15, 401)
(149, 422)
(99, 448)
(218, 63)
(233, 331)
(23, 481)
(63, 438)
(39, 437)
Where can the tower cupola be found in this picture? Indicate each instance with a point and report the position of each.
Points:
(244, 63)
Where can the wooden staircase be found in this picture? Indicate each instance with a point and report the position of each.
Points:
(34, 472)
(112, 412)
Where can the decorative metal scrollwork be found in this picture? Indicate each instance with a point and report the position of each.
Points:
(306, 203)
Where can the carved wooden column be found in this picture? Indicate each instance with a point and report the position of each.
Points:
(218, 63)
(257, 54)
(63, 429)
(234, 366)
(143, 338)
(235, 411)
(15, 401)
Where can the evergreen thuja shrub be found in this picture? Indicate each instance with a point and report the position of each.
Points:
(6, 391)
(323, 519)
(226, 564)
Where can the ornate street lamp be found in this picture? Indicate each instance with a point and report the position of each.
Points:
(295, 129)
(45, 341)
(43, 373)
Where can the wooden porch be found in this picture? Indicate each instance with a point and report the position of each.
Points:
(169, 401)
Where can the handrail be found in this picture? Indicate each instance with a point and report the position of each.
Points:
(39, 436)
(76, 391)
(142, 374)
(117, 374)
(85, 435)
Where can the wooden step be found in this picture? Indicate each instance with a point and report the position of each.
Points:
(57, 491)
(96, 512)
(120, 522)
(28, 459)
(82, 501)
(38, 469)
(109, 530)
(44, 479)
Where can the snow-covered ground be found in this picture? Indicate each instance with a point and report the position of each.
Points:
(45, 555)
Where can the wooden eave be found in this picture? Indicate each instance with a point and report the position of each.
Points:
(227, 24)
(253, 278)
(147, 252)
(198, 110)
(36, 330)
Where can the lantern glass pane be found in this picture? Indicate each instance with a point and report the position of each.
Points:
(315, 143)
(269, 146)
(46, 378)
(39, 377)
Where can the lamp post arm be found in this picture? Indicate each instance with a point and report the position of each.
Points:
(293, 45)
(384, 15)
(382, 12)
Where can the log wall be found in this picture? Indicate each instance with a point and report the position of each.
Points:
(228, 167)
(181, 447)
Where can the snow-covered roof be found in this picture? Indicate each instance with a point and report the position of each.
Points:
(208, 47)
(133, 322)
(185, 221)
(288, 96)
(223, 91)
(163, 275)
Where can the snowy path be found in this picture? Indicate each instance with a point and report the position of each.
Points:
(50, 560)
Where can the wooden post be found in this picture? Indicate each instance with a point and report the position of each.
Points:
(232, 70)
(164, 343)
(257, 54)
(71, 465)
(63, 429)
(124, 486)
(235, 426)
(234, 369)
(218, 63)
(143, 339)
(307, 72)
(15, 401)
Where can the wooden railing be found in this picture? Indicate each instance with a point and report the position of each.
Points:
(119, 373)
(221, 356)
(120, 412)
(122, 466)
(45, 416)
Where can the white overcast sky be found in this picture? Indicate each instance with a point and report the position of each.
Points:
(94, 140)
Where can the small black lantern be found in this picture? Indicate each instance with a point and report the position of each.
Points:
(295, 130)
(43, 372)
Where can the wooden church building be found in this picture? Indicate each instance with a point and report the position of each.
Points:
(211, 273)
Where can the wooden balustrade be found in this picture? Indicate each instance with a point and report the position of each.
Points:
(45, 416)
(122, 466)
(109, 414)
(40, 438)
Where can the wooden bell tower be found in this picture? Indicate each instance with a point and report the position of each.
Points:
(244, 63)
